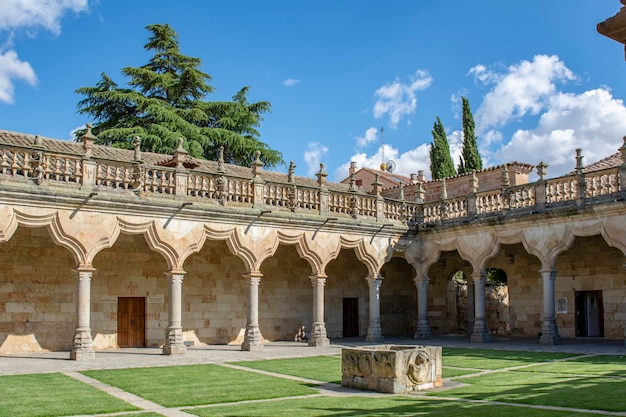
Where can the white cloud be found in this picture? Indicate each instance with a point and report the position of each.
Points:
(290, 82)
(593, 121)
(28, 15)
(34, 14)
(398, 100)
(11, 68)
(313, 155)
(371, 135)
(523, 89)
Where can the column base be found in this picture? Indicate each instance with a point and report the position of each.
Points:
(252, 339)
(423, 332)
(549, 333)
(174, 350)
(82, 347)
(550, 339)
(480, 337)
(318, 336)
(480, 333)
(82, 355)
(174, 343)
(374, 334)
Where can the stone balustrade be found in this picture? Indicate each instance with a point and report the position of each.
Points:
(296, 194)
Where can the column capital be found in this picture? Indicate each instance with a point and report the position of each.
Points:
(374, 279)
(421, 280)
(84, 268)
(176, 271)
(318, 279)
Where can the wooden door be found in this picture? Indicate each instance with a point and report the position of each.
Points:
(131, 319)
(350, 317)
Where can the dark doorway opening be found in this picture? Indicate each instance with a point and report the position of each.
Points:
(350, 317)
(589, 314)
(131, 320)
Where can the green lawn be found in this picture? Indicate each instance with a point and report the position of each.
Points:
(379, 406)
(495, 359)
(53, 395)
(560, 390)
(605, 365)
(176, 386)
(589, 383)
(317, 368)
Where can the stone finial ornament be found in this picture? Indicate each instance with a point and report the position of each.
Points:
(474, 182)
(290, 172)
(579, 161)
(220, 160)
(88, 140)
(506, 182)
(542, 170)
(352, 186)
(321, 175)
(137, 146)
(257, 165)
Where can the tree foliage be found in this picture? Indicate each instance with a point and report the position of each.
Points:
(165, 100)
(470, 157)
(441, 165)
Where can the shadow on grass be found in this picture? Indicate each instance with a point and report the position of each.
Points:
(378, 406)
(559, 390)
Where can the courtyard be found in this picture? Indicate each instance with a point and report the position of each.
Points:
(516, 377)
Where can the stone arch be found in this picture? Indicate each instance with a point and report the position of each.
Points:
(373, 253)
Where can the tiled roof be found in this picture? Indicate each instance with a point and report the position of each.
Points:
(612, 161)
(149, 158)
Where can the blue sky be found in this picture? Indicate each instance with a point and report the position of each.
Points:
(540, 80)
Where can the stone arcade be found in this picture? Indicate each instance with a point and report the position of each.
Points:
(103, 248)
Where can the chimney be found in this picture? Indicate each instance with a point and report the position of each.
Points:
(420, 176)
(414, 179)
(352, 169)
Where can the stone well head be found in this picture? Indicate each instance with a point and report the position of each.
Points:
(392, 368)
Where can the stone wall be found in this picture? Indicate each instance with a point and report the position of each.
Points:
(398, 299)
(285, 295)
(590, 265)
(37, 294)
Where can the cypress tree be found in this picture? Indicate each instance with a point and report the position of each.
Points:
(470, 157)
(441, 165)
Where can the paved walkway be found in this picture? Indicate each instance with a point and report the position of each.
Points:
(149, 357)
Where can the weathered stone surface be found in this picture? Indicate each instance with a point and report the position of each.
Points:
(391, 368)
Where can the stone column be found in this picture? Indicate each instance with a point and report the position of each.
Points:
(174, 343)
(470, 307)
(374, 333)
(549, 329)
(318, 335)
(252, 338)
(480, 333)
(82, 348)
(423, 325)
